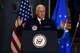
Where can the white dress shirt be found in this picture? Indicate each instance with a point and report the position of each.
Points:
(39, 19)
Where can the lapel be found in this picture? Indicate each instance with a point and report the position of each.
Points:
(37, 22)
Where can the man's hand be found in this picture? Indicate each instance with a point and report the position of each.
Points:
(19, 21)
(23, 25)
(62, 24)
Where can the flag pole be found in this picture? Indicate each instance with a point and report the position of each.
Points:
(49, 8)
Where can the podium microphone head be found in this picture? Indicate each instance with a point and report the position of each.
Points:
(78, 22)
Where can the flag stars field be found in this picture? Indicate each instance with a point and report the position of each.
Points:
(21, 6)
(19, 12)
(22, 2)
(25, 19)
(58, 42)
(65, 16)
(23, 10)
(67, 44)
(20, 9)
(62, 46)
(24, 7)
(60, 15)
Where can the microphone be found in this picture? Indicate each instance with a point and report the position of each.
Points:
(78, 22)
(75, 30)
(1, 6)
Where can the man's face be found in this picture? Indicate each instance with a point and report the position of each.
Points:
(41, 12)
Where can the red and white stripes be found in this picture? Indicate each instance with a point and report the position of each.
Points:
(16, 41)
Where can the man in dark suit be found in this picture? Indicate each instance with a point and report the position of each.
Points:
(40, 22)
(37, 24)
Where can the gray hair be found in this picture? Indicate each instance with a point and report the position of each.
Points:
(40, 5)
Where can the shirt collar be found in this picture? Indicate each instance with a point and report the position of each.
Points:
(39, 19)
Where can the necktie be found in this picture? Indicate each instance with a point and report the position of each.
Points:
(41, 22)
(41, 25)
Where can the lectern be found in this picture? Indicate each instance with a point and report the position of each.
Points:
(39, 42)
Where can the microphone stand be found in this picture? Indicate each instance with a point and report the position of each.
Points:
(75, 31)
(74, 36)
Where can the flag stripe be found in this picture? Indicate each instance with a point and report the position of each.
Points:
(15, 31)
(13, 48)
(15, 44)
(16, 39)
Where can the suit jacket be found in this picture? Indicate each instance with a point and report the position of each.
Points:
(46, 25)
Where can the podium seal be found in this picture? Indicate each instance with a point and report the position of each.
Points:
(39, 40)
(34, 27)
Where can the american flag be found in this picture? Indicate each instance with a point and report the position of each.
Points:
(60, 13)
(25, 13)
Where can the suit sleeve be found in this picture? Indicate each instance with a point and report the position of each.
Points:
(19, 30)
(53, 25)
(59, 31)
(26, 27)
